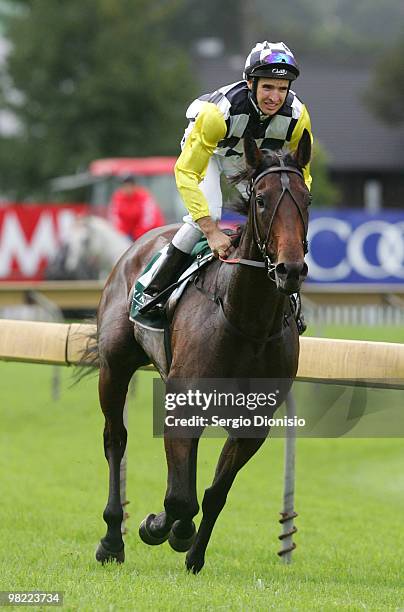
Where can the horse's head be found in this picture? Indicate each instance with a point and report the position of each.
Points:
(278, 211)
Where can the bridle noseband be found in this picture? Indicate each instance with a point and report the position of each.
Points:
(285, 182)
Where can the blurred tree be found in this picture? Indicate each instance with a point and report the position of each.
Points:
(337, 30)
(209, 19)
(385, 95)
(325, 193)
(340, 30)
(90, 79)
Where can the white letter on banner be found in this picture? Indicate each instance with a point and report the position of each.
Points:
(389, 248)
(391, 256)
(13, 244)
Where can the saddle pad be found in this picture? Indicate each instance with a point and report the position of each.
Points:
(155, 320)
(142, 282)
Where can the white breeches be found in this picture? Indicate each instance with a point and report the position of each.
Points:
(189, 234)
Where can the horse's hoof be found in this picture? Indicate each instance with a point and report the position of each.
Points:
(181, 542)
(145, 534)
(106, 556)
(194, 563)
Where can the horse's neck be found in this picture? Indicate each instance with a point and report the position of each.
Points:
(253, 303)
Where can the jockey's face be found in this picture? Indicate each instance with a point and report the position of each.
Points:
(271, 94)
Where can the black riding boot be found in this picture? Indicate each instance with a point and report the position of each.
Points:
(170, 270)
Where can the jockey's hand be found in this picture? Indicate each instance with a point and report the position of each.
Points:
(220, 244)
(217, 240)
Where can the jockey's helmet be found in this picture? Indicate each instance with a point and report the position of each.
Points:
(271, 60)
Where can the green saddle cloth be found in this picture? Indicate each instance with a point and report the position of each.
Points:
(156, 320)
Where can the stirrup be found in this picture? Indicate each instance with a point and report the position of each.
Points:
(152, 305)
(301, 324)
(296, 305)
(157, 302)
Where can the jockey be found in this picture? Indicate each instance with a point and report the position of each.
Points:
(212, 146)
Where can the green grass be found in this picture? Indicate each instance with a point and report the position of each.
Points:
(388, 333)
(350, 499)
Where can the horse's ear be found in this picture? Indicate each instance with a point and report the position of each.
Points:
(252, 152)
(303, 153)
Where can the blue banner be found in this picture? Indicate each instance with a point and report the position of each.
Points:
(353, 246)
(356, 247)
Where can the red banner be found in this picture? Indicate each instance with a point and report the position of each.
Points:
(30, 235)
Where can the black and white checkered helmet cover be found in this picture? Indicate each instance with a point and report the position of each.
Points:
(268, 50)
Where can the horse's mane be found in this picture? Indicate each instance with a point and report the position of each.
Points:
(269, 158)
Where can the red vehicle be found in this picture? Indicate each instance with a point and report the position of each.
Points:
(31, 234)
(104, 175)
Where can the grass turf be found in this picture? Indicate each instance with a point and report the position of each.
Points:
(350, 499)
(387, 333)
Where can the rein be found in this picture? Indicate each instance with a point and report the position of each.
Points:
(263, 243)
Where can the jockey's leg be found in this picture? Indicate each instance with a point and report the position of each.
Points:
(177, 256)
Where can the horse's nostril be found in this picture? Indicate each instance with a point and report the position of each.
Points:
(293, 270)
(281, 270)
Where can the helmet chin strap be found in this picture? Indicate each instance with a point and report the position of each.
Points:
(252, 94)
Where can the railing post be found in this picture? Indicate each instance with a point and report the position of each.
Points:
(288, 513)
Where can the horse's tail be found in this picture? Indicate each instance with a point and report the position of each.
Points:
(89, 360)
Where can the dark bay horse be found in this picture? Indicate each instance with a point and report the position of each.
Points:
(240, 333)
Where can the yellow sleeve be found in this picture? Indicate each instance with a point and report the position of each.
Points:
(302, 123)
(190, 168)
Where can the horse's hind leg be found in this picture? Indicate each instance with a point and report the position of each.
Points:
(181, 505)
(119, 359)
(236, 452)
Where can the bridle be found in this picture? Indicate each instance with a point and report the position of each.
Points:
(262, 243)
(285, 182)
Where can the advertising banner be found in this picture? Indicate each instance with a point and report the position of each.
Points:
(344, 246)
(30, 235)
(356, 247)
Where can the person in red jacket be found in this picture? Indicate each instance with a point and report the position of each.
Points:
(133, 210)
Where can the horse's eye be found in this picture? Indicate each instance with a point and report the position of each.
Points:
(260, 201)
(309, 199)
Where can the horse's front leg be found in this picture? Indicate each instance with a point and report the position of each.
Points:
(235, 453)
(181, 504)
(113, 386)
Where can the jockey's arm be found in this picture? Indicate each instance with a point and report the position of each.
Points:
(302, 124)
(190, 169)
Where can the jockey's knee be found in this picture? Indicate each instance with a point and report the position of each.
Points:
(187, 236)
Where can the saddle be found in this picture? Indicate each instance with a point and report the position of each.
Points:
(200, 257)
